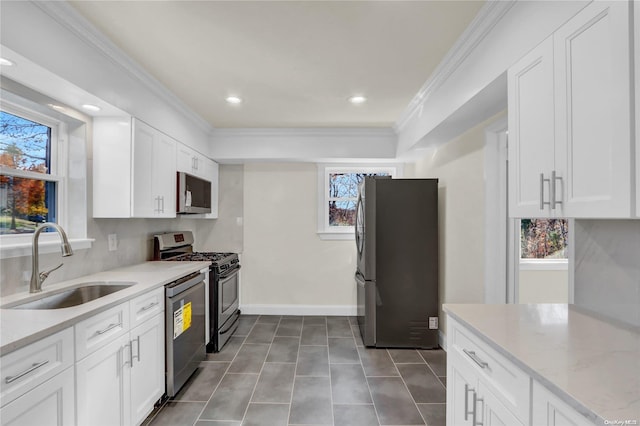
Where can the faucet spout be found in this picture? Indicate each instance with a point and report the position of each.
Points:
(35, 285)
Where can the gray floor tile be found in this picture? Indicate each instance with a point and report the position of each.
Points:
(249, 359)
(228, 351)
(348, 384)
(289, 327)
(338, 327)
(434, 414)
(343, 350)
(275, 383)
(262, 333)
(178, 413)
(314, 335)
(313, 361)
(377, 362)
(393, 402)
(266, 415)
(356, 333)
(437, 360)
(268, 319)
(443, 380)
(284, 349)
(422, 383)
(354, 415)
(315, 320)
(230, 400)
(245, 325)
(353, 320)
(203, 382)
(311, 402)
(216, 423)
(405, 356)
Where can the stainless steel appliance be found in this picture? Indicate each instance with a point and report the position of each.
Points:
(223, 291)
(194, 194)
(184, 325)
(397, 262)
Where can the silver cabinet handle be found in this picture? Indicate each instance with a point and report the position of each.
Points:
(109, 327)
(475, 421)
(468, 389)
(476, 358)
(542, 181)
(130, 362)
(138, 355)
(147, 307)
(553, 192)
(34, 366)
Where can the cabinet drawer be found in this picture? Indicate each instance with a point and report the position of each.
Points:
(146, 306)
(26, 368)
(100, 329)
(510, 384)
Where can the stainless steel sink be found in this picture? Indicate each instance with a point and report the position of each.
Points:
(84, 293)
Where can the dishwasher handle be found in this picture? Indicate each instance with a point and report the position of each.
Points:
(183, 284)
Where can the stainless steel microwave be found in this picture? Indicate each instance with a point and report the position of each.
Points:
(194, 194)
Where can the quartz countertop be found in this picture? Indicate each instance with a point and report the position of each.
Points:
(591, 363)
(20, 327)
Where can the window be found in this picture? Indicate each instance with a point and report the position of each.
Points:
(338, 196)
(544, 243)
(28, 183)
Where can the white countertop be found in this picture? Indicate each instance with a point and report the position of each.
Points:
(20, 327)
(591, 363)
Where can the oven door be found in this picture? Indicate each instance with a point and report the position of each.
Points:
(228, 303)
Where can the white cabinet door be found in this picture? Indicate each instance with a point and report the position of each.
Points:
(102, 389)
(185, 159)
(548, 410)
(461, 384)
(50, 403)
(493, 412)
(147, 371)
(593, 97)
(144, 202)
(531, 132)
(636, 19)
(164, 176)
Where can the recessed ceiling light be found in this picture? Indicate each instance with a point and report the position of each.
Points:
(91, 108)
(56, 107)
(234, 99)
(357, 99)
(4, 61)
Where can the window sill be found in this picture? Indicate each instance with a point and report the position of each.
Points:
(22, 249)
(544, 264)
(327, 235)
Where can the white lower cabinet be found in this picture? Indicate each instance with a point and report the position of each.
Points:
(50, 403)
(548, 410)
(119, 382)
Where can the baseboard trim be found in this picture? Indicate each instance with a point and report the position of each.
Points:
(329, 310)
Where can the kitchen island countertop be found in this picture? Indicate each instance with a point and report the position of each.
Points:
(590, 362)
(20, 327)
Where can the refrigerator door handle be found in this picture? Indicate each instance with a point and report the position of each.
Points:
(378, 298)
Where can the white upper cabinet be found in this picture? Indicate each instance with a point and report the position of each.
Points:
(196, 164)
(570, 120)
(134, 170)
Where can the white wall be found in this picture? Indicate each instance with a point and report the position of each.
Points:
(287, 268)
(535, 286)
(459, 166)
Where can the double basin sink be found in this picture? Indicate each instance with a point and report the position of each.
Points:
(81, 293)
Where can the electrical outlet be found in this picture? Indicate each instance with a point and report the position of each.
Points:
(113, 242)
(433, 323)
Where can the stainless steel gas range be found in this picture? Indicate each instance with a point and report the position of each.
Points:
(223, 291)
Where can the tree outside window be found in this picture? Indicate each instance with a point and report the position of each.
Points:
(343, 196)
(27, 190)
(544, 238)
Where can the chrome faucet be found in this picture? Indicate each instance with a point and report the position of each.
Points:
(37, 278)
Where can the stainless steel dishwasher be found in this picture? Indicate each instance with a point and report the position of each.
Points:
(184, 325)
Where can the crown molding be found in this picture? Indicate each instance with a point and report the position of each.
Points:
(313, 132)
(486, 19)
(72, 20)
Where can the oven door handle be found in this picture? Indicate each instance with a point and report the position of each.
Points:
(237, 318)
(229, 272)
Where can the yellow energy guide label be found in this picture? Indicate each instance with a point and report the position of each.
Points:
(181, 320)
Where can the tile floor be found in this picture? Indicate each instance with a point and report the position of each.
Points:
(294, 370)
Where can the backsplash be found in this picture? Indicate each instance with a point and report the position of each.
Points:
(607, 268)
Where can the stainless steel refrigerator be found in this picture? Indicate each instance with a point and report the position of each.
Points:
(397, 258)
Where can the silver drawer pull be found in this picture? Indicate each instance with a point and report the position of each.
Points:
(149, 306)
(35, 366)
(476, 358)
(109, 327)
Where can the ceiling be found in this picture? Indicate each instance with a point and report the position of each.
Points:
(294, 63)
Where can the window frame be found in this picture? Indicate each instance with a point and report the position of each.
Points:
(19, 245)
(325, 231)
